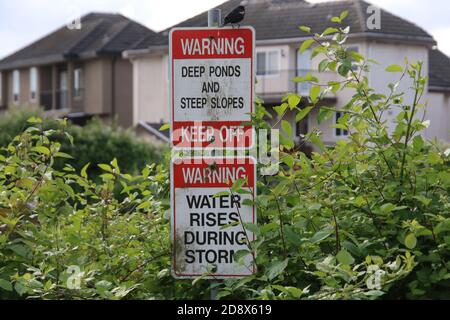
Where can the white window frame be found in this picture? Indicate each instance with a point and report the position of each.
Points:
(303, 88)
(34, 86)
(77, 75)
(343, 133)
(278, 67)
(16, 86)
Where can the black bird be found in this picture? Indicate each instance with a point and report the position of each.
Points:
(235, 16)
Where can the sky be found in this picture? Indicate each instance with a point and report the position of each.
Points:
(23, 21)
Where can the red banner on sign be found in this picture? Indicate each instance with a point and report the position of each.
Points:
(212, 43)
(214, 173)
(211, 134)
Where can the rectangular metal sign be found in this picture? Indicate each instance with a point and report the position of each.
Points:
(208, 218)
(212, 87)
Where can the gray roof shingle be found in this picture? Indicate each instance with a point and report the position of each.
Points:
(101, 34)
(439, 73)
(280, 19)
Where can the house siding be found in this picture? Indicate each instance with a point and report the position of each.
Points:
(388, 54)
(151, 91)
(123, 92)
(438, 112)
(151, 87)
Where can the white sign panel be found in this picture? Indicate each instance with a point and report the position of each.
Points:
(207, 218)
(212, 87)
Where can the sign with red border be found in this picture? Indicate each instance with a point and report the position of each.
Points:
(208, 218)
(212, 87)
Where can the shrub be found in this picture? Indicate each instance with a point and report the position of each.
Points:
(94, 143)
(97, 143)
(12, 123)
(366, 219)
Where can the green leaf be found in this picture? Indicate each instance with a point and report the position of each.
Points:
(280, 110)
(69, 137)
(388, 207)
(418, 143)
(324, 115)
(315, 139)
(336, 19)
(63, 155)
(253, 228)
(425, 201)
(276, 268)
(330, 30)
(410, 241)
(303, 113)
(144, 205)
(314, 93)
(323, 65)
(221, 194)
(165, 127)
(321, 235)
(344, 15)
(84, 170)
(286, 128)
(344, 257)
(443, 226)
(34, 120)
(305, 29)
(288, 160)
(292, 236)
(306, 45)
(293, 101)
(105, 167)
(394, 68)
(41, 150)
(6, 285)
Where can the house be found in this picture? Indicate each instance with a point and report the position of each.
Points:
(278, 61)
(77, 73)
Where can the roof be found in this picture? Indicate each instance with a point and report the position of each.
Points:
(439, 73)
(100, 34)
(280, 19)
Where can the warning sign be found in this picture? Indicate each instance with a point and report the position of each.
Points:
(208, 219)
(212, 87)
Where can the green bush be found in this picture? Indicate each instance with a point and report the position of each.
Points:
(97, 143)
(13, 123)
(94, 143)
(366, 219)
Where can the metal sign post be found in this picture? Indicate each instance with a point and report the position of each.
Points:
(212, 97)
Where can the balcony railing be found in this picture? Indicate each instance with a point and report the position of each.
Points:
(276, 84)
(46, 100)
(62, 100)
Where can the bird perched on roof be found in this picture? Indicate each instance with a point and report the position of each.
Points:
(235, 16)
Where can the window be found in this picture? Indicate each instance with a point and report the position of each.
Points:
(16, 86)
(77, 83)
(303, 68)
(340, 132)
(33, 83)
(268, 63)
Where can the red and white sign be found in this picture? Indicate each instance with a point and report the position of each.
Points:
(212, 87)
(208, 219)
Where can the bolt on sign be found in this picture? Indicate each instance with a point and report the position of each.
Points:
(212, 87)
(208, 218)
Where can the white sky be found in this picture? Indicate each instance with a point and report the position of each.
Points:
(23, 21)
